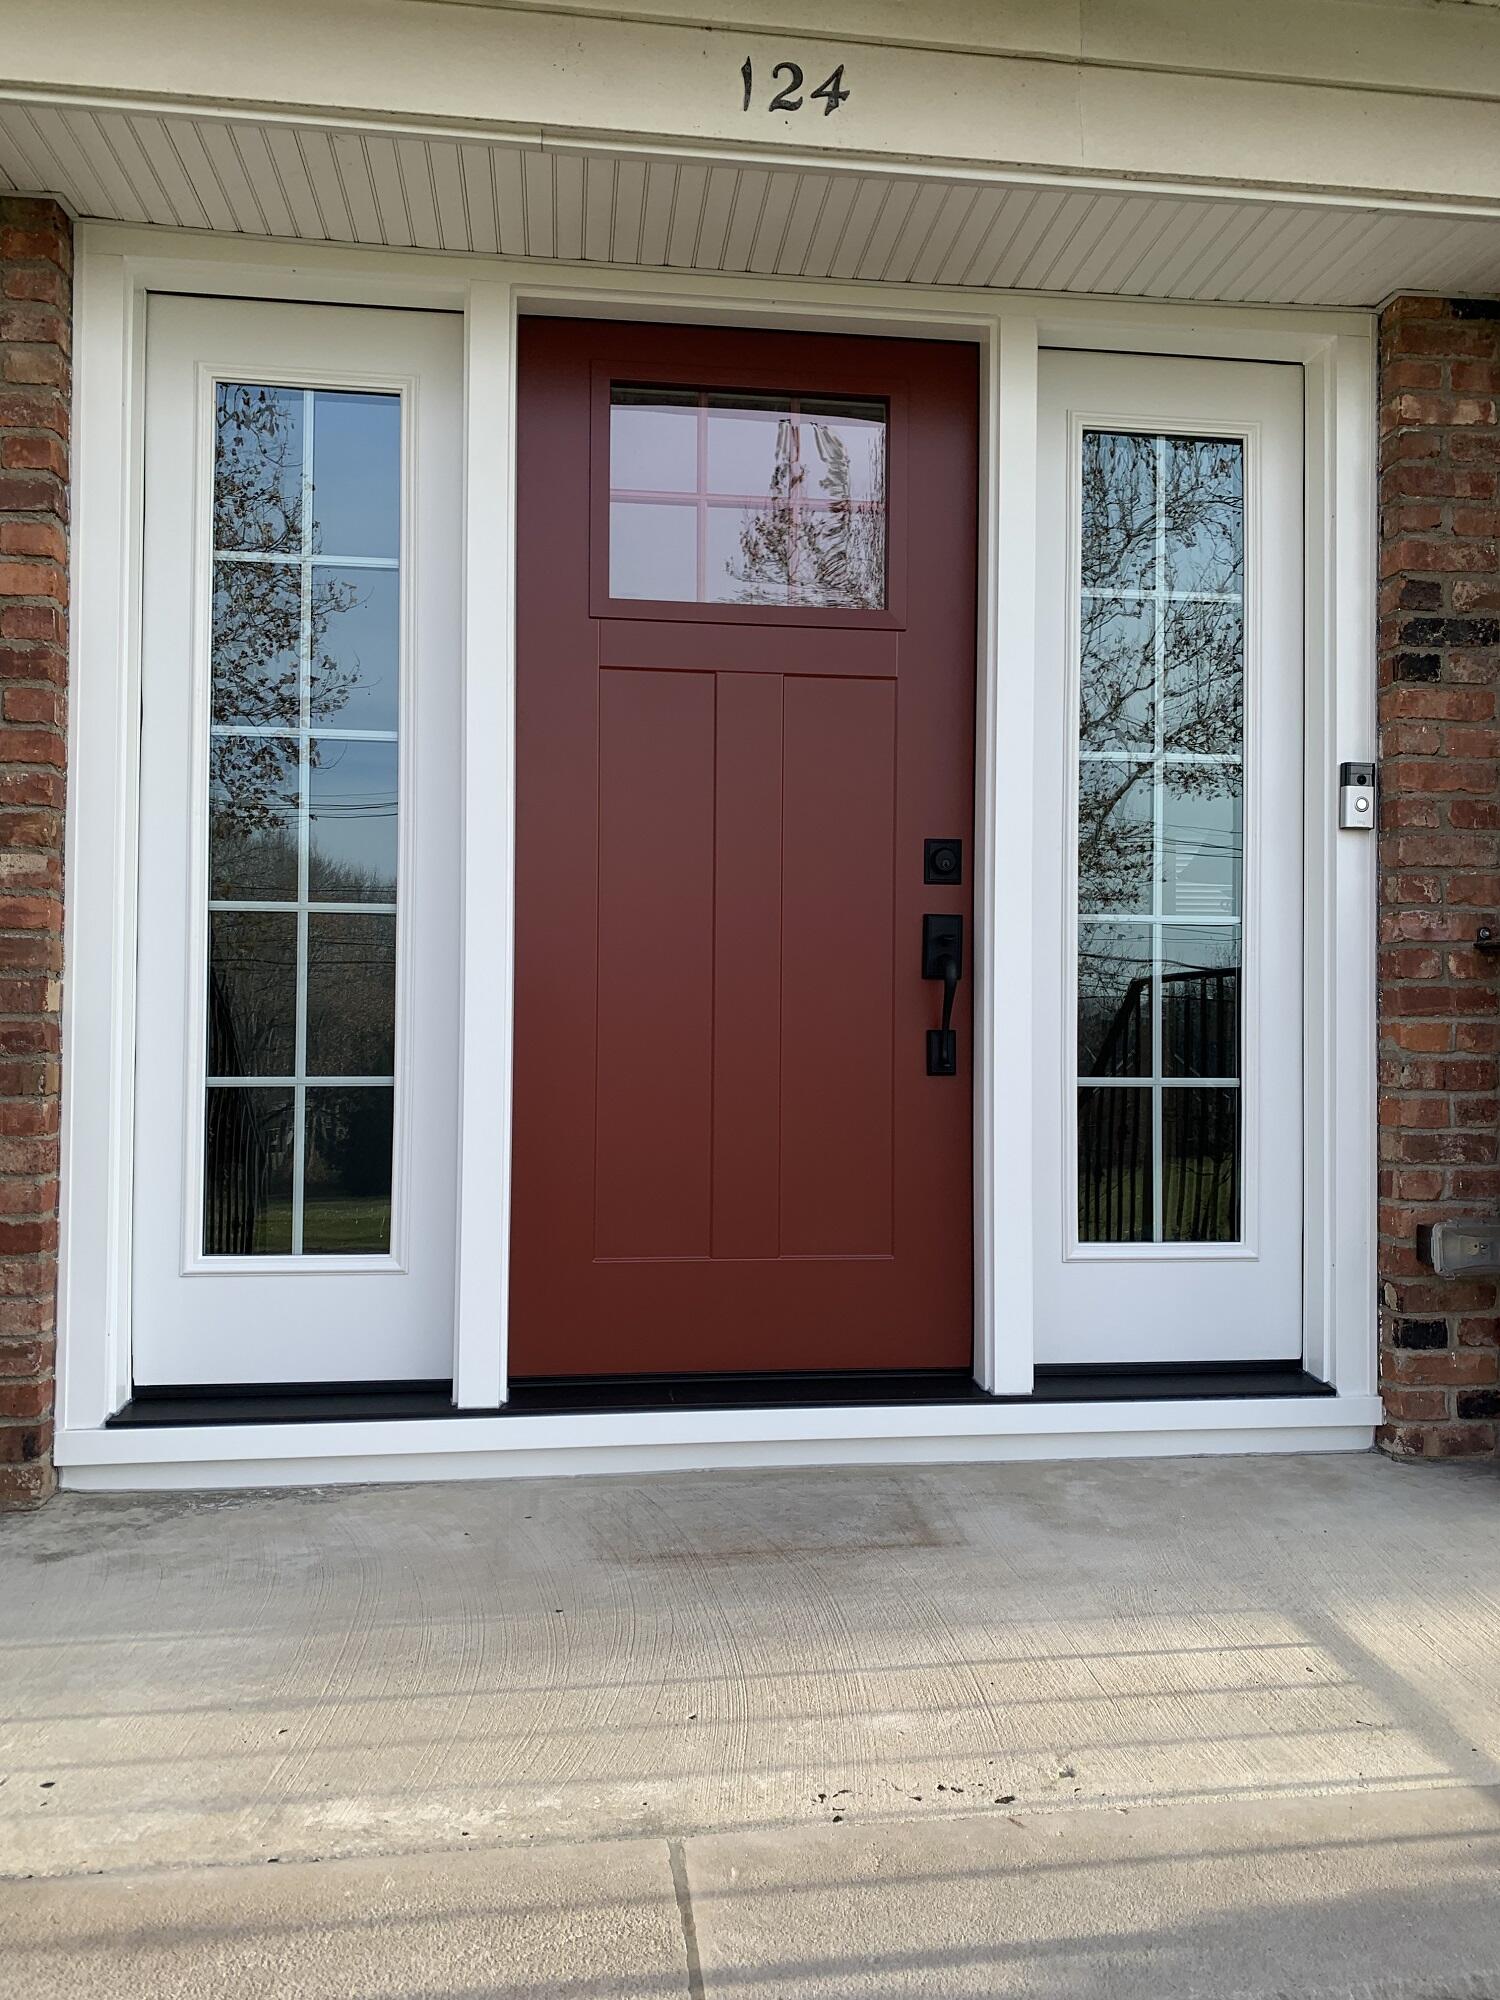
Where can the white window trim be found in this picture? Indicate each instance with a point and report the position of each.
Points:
(117, 266)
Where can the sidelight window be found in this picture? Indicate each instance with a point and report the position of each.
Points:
(747, 499)
(1161, 724)
(303, 802)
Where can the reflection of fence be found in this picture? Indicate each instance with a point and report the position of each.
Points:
(237, 1152)
(1200, 1162)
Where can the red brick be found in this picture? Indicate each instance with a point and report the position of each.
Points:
(1440, 854)
(34, 538)
(1471, 1367)
(25, 1400)
(1441, 704)
(32, 621)
(34, 451)
(35, 261)
(1416, 1404)
(33, 579)
(27, 1485)
(1420, 1035)
(20, 1358)
(27, 1444)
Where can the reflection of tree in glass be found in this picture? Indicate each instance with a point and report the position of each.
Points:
(1115, 836)
(1200, 513)
(1204, 679)
(1119, 511)
(351, 991)
(1117, 829)
(258, 470)
(252, 993)
(1204, 547)
(258, 609)
(1114, 1000)
(258, 860)
(349, 1155)
(1133, 535)
(831, 554)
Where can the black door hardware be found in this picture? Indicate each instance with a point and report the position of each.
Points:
(943, 862)
(943, 958)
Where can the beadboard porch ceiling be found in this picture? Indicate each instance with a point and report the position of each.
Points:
(325, 182)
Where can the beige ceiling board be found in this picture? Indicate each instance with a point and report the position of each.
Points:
(342, 185)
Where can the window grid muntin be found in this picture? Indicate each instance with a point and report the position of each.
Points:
(703, 499)
(1160, 759)
(307, 559)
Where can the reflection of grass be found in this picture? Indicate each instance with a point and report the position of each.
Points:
(348, 1225)
(1109, 1197)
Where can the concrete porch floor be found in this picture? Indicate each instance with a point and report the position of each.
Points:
(1163, 1726)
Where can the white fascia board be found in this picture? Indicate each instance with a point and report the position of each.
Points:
(586, 77)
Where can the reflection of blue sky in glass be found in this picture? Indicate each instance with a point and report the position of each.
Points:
(360, 640)
(356, 474)
(653, 551)
(1201, 842)
(352, 822)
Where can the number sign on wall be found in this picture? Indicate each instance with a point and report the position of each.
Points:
(790, 97)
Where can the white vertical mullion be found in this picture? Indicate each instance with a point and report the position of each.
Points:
(1158, 830)
(1006, 763)
(99, 910)
(1339, 939)
(487, 907)
(304, 827)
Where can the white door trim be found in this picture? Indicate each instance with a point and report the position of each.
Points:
(119, 265)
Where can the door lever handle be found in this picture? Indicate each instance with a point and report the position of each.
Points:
(950, 988)
(943, 958)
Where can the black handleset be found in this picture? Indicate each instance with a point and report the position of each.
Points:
(943, 958)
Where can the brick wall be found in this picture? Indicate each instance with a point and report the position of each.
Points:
(35, 271)
(1440, 860)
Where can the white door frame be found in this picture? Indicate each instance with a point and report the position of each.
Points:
(117, 266)
(1158, 1300)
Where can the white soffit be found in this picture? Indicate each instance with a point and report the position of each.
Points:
(330, 184)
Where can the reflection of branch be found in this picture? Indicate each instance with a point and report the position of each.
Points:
(1132, 544)
(1201, 513)
(830, 555)
(258, 619)
(257, 471)
(1115, 847)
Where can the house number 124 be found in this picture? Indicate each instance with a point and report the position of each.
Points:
(831, 92)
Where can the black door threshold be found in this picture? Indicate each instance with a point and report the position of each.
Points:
(320, 1402)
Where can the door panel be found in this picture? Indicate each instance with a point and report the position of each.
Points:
(296, 1074)
(1168, 973)
(728, 1153)
(838, 968)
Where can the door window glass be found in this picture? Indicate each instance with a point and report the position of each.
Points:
(745, 499)
(1160, 838)
(304, 711)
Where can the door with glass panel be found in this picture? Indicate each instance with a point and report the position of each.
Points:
(1168, 970)
(744, 863)
(296, 1084)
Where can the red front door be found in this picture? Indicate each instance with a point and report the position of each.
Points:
(745, 706)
